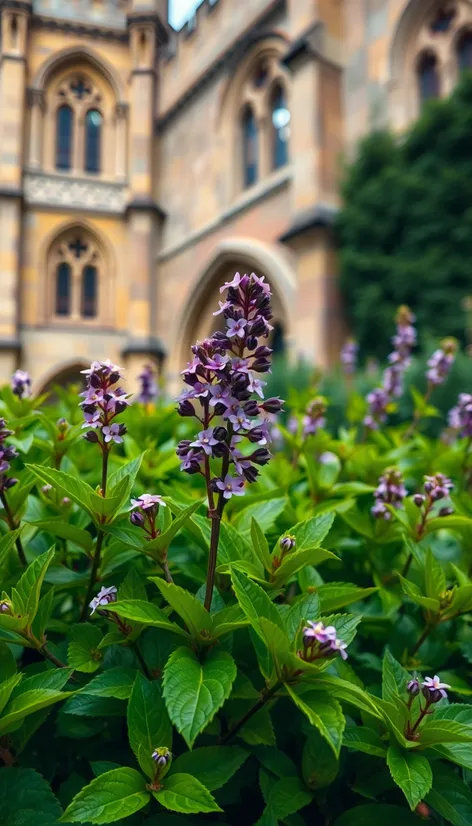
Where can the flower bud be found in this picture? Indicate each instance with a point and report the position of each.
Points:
(65, 502)
(446, 511)
(186, 408)
(251, 342)
(5, 606)
(62, 425)
(418, 499)
(163, 758)
(260, 456)
(251, 408)
(272, 405)
(219, 409)
(287, 543)
(137, 519)
(219, 450)
(250, 474)
(220, 433)
(413, 687)
(46, 490)
(91, 436)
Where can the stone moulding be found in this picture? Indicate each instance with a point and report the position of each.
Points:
(74, 193)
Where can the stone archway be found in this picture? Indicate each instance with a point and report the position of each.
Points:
(64, 375)
(196, 321)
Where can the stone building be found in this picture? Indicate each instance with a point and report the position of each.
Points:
(140, 166)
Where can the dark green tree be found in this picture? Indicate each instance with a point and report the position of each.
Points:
(405, 231)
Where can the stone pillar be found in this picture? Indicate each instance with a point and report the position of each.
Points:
(35, 99)
(314, 60)
(121, 114)
(14, 28)
(147, 33)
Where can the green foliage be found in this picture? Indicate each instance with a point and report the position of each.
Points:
(152, 710)
(404, 231)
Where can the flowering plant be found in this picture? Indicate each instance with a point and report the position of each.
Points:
(211, 633)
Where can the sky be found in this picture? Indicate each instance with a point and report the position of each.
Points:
(180, 11)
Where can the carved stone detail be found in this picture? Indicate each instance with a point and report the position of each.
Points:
(74, 193)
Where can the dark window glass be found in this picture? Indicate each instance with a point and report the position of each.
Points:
(278, 341)
(464, 52)
(93, 133)
(280, 128)
(443, 20)
(64, 128)
(428, 77)
(89, 292)
(63, 289)
(250, 147)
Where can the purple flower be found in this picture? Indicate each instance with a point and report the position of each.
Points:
(433, 689)
(148, 388)
(7, 452)
(5, 606)
(236, 327)
(224, 305)
(162, 756)
(205, 441)
(314, 418)
(390, 491)
(413, 687)
(232, 284)
(378, 401)
(287, 543)
(319, 632)
(340, 646)
(148, 500)
(437, 487)
(441, 362)
(104, 597)
(21, 384)
(460, 417)
(113, 433)
(349, 356)
(231, 486)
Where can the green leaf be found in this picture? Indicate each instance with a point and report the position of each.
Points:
(297, 560)
(378, 813)
(320, 765)
(411, 772)
(194, 691)
(26, 798)
(64, 530)
(306, 607)
(254, 601)
(310, 534)
(6, 688)
(413, 592)
(115, 682)
(108, 798)
(82, 653)
(260, 545)
(324, 712)
(211, 765)
(43, 614)
(450, 797)
(29, 586)
(26, 703)
(348, 692)
(287, 796)
(128, 472)
(65, 484)
(336, 595)
(194, 615)
(394, 679)
(362, 738)
(132, 587)
(265, 513)
(146, 613)
(184, 793)
(435, 580)
(6, 543)
(227, 620)
(148, 722)
(163, 541)
(436, 732)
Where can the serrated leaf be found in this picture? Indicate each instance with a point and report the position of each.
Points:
(450, 797)
(108, 798)
(336, 595)
(413, 592)
(65, 484)
(65, 530)
(83, 651)
(26, 703)
(287, 796)
(310, 533)
(260, 545)
(194, 615)
(435, 579)
(265, 513)
(296, 560)
(194, 691)
(227, 620)
(146, 613)
(115, 682)
(163, 541)
(254, 601)
(411, 772)
(362, 738)
(394, 679)
(324, 712)
(148, 722)
(26, 798)
(6, 688)
(437, 732)
(306, 607)
(184, 793)
(320, 765)
(29, 586)
(212, 765)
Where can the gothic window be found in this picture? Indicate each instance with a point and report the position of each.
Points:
(464, 51)
(93, 129)
(89, 292)
(79, 125)
(76, 268)
(428, 77)
(442, 21)
(63, 285)
(280, 120)
(250, 146)
(64, 134)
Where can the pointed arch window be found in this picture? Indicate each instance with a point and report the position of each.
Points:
(64, 132)
(89, 292)
(93, 140)
(428, 77)
(464, 52)
(250, 146)
(280, 120)
(63, 289)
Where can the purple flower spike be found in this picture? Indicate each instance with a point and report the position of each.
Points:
(205, 441)
(441, 362)
(315, 416)
(231, 486)
(460, 417)
(7, 453)
(433, 689)
(348, 357)
(104, 597)
(390, 491)
(102, 401)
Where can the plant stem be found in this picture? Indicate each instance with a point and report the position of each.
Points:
(212, 557)
(424, 635)
(421, 717)
(51, 657)
(13, 526)
(99, 542)
(167, 573)
(407, 565)
(263, 700)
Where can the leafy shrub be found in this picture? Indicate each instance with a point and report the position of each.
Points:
(172, 651)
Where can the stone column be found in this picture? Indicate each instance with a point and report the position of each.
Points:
(35, 99)
(121, 116)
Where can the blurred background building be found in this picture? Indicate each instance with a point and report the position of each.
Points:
(141, 166)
